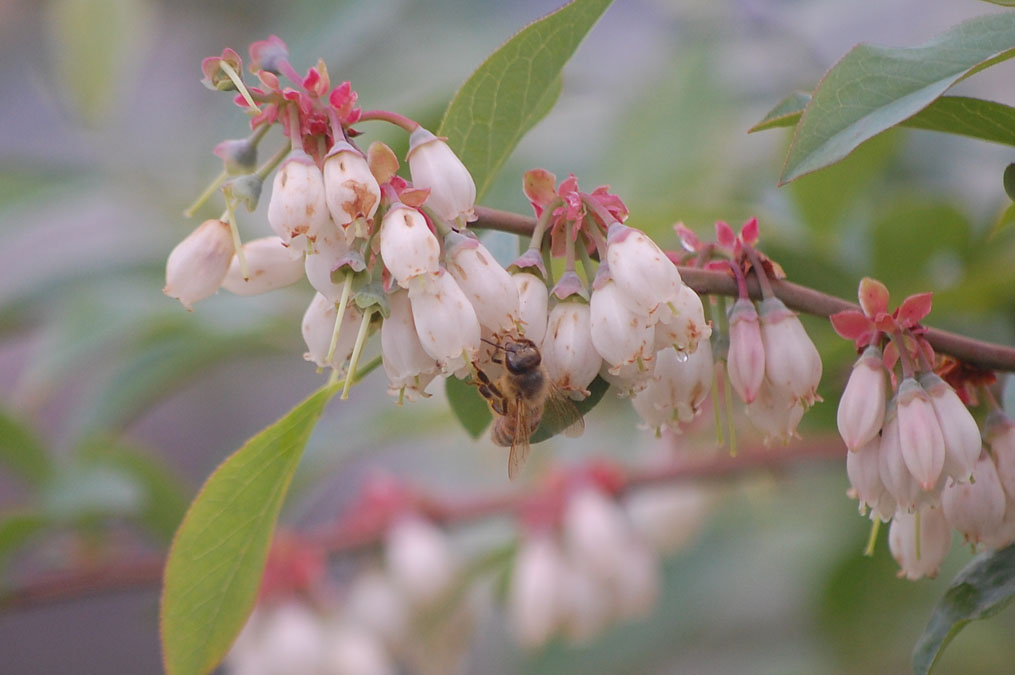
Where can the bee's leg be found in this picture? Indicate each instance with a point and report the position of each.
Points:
(491, 393)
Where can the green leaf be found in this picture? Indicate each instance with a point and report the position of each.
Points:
(786, 112)
(218, 554)
(875, 88)
(550, 426)
(1003, 3)
(21, 451)
(469, 406)
(163, 501)
(982, 589)
(960, 115)
(514, 88)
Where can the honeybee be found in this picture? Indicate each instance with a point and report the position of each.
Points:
(522, 397)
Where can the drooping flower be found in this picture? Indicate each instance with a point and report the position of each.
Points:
(270, 264)
(861, 410)
(298, 206)
(319, 327)
(408, 247)
(434, 166)
(863, 466)
(921, 559)
(486, 284)
(644, 275)
(419, 559)
(569, 356)
(923, 446)
(196, 267)
(775, 412)
(678, 388)
(961, 436)
(792, 362)
(746, 358)
(409, 368)
(533, 301)
(445, 320)
(351, 190)
(537, 597)
(329, 252)
(622, 337)
(682, 323)
(975, 508)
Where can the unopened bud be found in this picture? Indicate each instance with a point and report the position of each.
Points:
(435, 166)
(196, 267)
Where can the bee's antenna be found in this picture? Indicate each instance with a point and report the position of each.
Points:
(492, 344)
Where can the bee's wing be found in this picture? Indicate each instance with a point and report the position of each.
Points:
(561, 413)
(520, 446)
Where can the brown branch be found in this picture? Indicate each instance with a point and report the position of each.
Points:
(145, 572)
(987, 355)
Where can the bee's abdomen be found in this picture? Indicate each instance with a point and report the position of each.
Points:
(503, 432)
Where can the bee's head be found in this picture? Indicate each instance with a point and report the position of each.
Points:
(520, 355)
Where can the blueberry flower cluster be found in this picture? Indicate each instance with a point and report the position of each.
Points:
(916, 456)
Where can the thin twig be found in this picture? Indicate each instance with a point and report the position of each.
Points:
(986, 355)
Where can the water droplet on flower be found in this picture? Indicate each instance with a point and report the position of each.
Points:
(682, 356)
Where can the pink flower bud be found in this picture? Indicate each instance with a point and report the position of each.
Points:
(863, 466)
(419, 559)
(975, 508)
(862, 406)
(923, 446)
(895, 475)
(746, 358)
(533, 300)
(1000, 434)
(537, 595)
(792, 361)
(319, 326)
(621, 337)
(775, 412)
(569, 356)
(958, 428)
(409, 368)
(644, 274)
(445, 320)
(196, 267)
(934, 542)
(298, 205)
(485, 283)
(327, 254)
(435, 166)
(682, 322)
(349, 187)
(270, 264)
(678, 388)
(408, 247)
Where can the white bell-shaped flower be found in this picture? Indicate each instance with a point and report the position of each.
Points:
(436, 167)
(374, 603)
(895, 473)
(486, 284)
(1000, 434)
(958, 428)
(533, 303)
(678, 389)
(278, 640)
(596, 531)
(445, 320)
(328, 253)
(351, 190)
(643, 272)
(775, 412)
(976, 507)
(270, 264)
(408, 367)
(668, 516)
(298, 206)
(861, 410)
(586, 608)
(319, 327)
(198, 264)
(682, 322)
(923, 560)
(792, 362)
(621, 336)
(408, 247)
(569, 356)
